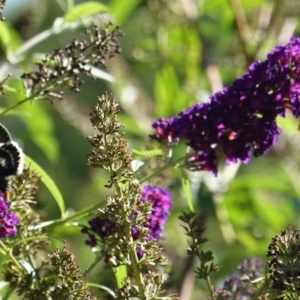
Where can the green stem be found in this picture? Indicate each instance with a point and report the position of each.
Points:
(160, 170)
(210, 287)
(134, 258)
(75, 216)
(9, 254)
(3, 112)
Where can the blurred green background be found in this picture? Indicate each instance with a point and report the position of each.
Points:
(174, 54)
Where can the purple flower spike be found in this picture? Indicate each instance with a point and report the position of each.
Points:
(239, 121)
(160, 200)
(8, 220)
(161, 205)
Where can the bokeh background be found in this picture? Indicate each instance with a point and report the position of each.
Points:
(174, 53)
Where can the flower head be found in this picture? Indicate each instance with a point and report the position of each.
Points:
(8, 220)
(160, 201)
(284, 264)
(242, 286)
(239, 121)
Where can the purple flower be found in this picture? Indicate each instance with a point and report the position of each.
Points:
(8, 220)
(160, 199)
(239, 121)
(100, 228)
(240, 286)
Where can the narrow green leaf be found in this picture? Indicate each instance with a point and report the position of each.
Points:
(102, 287)
(120, 273)
(42, 135)
(122, 9)
(9, 38)
(168, 94)
(12, 89)
(85, 9)
(8, 292)
(148, 153)
(187, 191)
(16, 112)
(34, 113)
(49, 183)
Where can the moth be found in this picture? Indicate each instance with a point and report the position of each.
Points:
(11, 160)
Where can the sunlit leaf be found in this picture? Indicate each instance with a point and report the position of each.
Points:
(12, 89)
(187, 191)
(49, 183)
(43, 134)
(169, 97)
(122, 9)
(85, 9)
(9, 291)
(148, 153)
(136, 164)
(9, 38)
(102, 287)
(120, 274)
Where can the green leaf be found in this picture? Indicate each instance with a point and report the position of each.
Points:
(43, 134)
(168, 94)
(122, 9)
(14, 90)
(148, 153)
(9, 291)
(9, 38)
(49, 183)
(120, 274)
(187, 191)
(15, 112)
(102, 287)
(85, 9)
(34, 113)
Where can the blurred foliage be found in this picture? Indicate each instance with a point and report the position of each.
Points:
(174, 53)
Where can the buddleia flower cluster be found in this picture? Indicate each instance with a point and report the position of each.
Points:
(127, 229)
(40, 277)
(239, 121)
(284, 264)
(245, 284)
(100, 229)
(8, 219)
(64, 67)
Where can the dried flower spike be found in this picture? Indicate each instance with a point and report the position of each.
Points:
(65, 67)
(160, 201)
(284, 266)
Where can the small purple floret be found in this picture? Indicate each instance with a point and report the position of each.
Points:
(8, 220)
(242, 286)
(160, 200)
(239, 121)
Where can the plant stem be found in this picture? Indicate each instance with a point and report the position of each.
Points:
(9, 254)
(134, 259)
(161, 169)
(242, 26)
(75, 216)
(133, 255)
(210, 287)
(3, 112)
